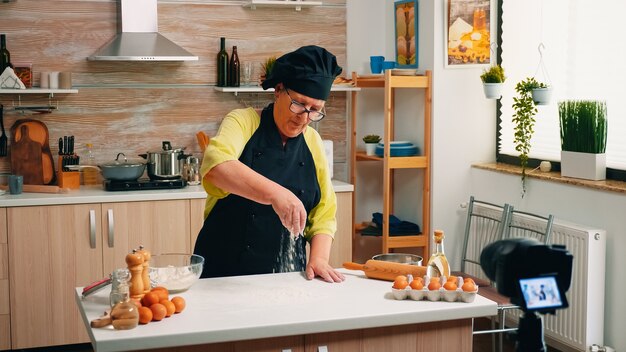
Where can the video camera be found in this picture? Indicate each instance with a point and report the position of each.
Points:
(534, 276)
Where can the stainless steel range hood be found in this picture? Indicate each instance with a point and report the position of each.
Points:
(139, 39)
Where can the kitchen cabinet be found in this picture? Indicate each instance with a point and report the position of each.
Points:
(57, 248)
(390, 83)
(5, 318)
(52, 250)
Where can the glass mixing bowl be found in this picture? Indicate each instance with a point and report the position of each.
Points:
(176, 272)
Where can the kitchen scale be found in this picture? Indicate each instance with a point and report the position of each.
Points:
(143, 184)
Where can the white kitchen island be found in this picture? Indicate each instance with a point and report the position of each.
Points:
(268, 308)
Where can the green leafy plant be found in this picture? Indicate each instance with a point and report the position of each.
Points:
(371, 138)
(494, 74)
(268, 65)
(524, 120)
(583, 126)
(534, 84)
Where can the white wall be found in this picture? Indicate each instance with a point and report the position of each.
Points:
(463, 134)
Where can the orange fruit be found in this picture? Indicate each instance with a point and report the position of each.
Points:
(179, 303)
(450, 286)
(469, 286)
(145, 315)
(158, 311)
(161, 292)
(171, 308)
(150, 298)
(137, 302)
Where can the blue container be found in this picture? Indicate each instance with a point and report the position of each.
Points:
(376, 64)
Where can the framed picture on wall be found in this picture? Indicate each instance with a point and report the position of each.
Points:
(406, 33)
(469, 33)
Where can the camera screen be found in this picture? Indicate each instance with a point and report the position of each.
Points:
(541, 292)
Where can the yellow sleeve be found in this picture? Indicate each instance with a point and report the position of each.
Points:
(234, 133)
(321, 220)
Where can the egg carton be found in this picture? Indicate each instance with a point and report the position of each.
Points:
(440, 294)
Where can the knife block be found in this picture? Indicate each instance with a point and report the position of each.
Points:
(67, 179)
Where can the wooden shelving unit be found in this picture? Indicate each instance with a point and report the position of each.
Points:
(389, 83)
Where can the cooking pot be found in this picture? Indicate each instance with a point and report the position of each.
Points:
(401, 258)
(117, 170)
(165, 164)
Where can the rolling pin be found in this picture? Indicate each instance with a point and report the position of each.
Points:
(378, 269)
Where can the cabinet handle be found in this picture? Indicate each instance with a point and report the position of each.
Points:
(111, 228)
(286, 350)
(322, 349)
(92, 229)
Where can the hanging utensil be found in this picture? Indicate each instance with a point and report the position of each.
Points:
(3, 137)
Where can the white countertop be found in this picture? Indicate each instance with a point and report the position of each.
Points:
(96, 194)
(273, 305)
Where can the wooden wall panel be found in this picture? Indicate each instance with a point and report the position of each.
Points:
(132, 106)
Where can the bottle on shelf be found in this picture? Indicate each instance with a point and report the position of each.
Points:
(438, 263)
(5, 55)
(222, 64)
(90, 174)
(235, 69)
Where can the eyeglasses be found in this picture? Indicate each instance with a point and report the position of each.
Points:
(299, 108)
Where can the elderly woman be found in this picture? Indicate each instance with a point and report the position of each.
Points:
(267, 178)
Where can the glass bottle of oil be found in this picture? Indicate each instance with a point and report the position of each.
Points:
(438, 263)
(91, 175)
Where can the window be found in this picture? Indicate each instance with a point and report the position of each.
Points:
(584, 59)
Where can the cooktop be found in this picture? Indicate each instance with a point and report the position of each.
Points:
(143, 184)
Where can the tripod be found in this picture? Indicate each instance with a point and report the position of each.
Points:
(530, 333)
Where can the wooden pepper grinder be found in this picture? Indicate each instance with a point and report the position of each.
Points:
(145, 271)
(134, 262)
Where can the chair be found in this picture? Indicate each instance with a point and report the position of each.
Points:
(485, 224)
(528, 225)
(517, 224)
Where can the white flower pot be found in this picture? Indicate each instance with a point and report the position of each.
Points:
(542, 96)
(492, 90)
(587, 166)
(370, 148)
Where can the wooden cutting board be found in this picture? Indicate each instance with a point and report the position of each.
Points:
(26, 158)
(38, 132)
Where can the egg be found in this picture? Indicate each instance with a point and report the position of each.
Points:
(450, 286)
(417, 284)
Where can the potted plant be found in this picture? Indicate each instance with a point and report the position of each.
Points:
(524, 120)
(541, 92)
(371, 141)
(492, 78)
(583, 139)
(266, 67)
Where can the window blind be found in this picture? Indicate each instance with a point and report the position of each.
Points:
(584, 58)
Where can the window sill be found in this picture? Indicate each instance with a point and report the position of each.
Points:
(555, 176)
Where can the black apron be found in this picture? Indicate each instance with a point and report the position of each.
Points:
(242, 237)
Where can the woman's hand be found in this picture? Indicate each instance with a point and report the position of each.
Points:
(319, 267)
(290, 210)
(318, 260)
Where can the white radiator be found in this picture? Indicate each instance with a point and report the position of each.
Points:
(582, 324)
